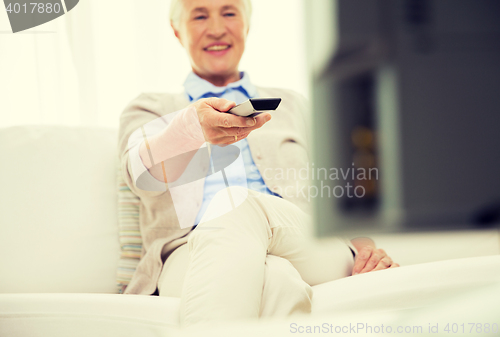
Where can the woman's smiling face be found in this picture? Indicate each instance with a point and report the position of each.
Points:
(213, 33)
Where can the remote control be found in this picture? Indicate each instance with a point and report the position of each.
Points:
(255, 106)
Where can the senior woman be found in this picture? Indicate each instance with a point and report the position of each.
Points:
(243, 251)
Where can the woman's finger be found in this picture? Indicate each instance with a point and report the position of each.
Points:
(384, 263)
(219, 104)
(394, 265)
(215, 133)
(260, 120)
(237, 131)
(364, 255)
(227, 140)
(263, 118)
(377, 256)
(228, 120)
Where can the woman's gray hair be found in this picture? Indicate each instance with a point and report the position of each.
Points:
(176, 11)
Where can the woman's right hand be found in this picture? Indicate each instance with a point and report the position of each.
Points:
(220, 128)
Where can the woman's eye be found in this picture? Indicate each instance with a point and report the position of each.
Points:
(229, 14)
(200, 17)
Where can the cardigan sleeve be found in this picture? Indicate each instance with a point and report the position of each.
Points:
(141, 111)
(351, 247)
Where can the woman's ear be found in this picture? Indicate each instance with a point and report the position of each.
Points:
(176, 32)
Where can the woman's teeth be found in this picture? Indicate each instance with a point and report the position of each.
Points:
(218, 47)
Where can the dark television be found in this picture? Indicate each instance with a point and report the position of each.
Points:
(411, 90)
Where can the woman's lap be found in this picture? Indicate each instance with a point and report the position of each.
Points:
(284, 292)
(223, 264)
(175, 266)
(173, 273)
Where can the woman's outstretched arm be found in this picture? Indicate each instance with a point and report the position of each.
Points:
(201, 121)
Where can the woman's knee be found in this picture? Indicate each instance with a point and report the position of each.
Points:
(281, 271)
(235, 194)
(224, 202)
(234, 208)
(285, 292)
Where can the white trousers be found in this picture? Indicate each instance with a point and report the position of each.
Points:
(252, 255)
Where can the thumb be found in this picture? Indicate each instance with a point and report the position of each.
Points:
(221, 104)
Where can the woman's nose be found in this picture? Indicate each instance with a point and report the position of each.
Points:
(216, 27)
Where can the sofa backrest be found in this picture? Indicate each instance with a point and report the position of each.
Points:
(58, 203)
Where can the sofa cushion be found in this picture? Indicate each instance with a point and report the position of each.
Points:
(129, 234)
(383, 295)
(58, 209)
(23, 315)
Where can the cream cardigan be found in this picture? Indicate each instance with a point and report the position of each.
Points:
(278, 146)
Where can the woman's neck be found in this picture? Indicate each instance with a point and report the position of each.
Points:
(220, 80)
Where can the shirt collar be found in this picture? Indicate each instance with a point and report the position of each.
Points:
(196, 87)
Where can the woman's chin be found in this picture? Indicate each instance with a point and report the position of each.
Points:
(222, 70)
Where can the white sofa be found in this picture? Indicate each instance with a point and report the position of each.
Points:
(59, 247)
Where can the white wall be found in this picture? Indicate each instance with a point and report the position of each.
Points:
(84, 67)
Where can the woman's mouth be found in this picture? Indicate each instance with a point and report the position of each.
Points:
(217, 49)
